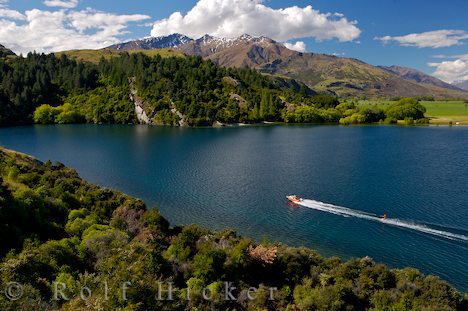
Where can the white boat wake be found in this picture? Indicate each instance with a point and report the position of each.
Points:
(347, 212)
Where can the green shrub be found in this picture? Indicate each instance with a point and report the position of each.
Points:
(46, 114)
(405, 108)
(409, 121)
(389, 120)
(355, 118)
(422, 121)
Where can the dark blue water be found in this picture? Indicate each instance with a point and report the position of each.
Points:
(238, 178)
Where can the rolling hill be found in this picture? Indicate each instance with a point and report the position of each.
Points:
(324, 73)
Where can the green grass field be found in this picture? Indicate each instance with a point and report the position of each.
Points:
(444, 112)
(439, 112)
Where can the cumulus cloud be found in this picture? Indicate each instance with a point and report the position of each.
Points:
(299, 46)
(49, 31)
(232, 18)
(62, 3)
(11, 14)
(453, 70)
(430, 39)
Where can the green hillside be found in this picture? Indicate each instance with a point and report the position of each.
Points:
(349, 77)
(94, 56)
(185, 91)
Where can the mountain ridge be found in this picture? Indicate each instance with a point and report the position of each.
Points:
(461, 84)
(418, 76)
(149, 43)
(5, 51)
(321, 72)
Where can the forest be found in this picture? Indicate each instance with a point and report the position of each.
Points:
(47, 89)
(72, 245)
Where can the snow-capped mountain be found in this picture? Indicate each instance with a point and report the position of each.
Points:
(327, 73)
(150, 43)
(207, 43)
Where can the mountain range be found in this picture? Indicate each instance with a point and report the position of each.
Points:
(418, 76)
(5, 52)
(321, 72)
(461, 84)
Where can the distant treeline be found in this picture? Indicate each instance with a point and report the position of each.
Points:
(46, 89)
(57, 229)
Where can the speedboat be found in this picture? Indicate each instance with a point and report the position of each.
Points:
(294, 198)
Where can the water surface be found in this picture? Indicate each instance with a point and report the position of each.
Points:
(238, 178)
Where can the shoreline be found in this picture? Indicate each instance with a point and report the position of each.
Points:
(262, 124)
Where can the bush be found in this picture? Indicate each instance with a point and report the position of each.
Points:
(409, 121)
(208, 265)
(345, 106)
(389, 120)
(305, 114)
(422, 121)
(46, 114)
(405, 108)
(355, 118)
(372, 114)
(331, 115)
(69, 117)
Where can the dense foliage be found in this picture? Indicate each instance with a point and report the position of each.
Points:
(65, 232)
(406, 108)
(173, 90)
(39, 79)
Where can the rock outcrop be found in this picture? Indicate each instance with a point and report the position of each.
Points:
(140, 104)
(182, 119)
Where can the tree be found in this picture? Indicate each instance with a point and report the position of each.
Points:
(46, 114)
(208, 265)
(405, 108)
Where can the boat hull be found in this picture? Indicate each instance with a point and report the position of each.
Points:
(293, 199)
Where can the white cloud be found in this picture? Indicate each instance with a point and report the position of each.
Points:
(430, 39)
(299, 46)
(49, 31)
(11, 14)
(451, 71)
(70, 4)
(3, 3)
(462, 57)
(232, 18)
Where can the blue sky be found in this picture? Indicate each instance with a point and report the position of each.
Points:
(428, 35)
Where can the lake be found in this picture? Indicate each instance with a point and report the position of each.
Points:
(239, 177)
